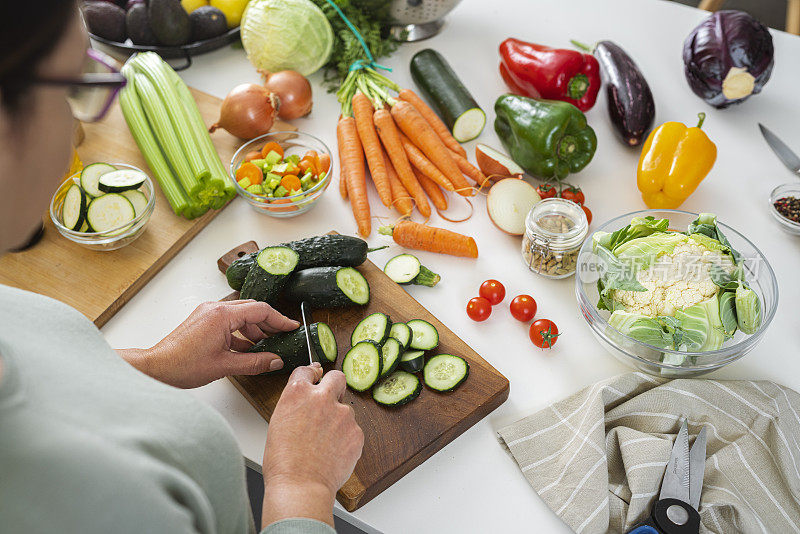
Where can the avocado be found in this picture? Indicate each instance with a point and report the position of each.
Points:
(170, 22)
(138, 23)
(207, 22)
(105, 20)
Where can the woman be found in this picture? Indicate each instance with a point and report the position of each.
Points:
(97, 441)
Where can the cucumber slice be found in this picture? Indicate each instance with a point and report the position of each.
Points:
(353, 285)
(402, 268)
(121, 180)
(325, 343)
(74, 209)
(362, 366)
(85, 227)
(390, 355)
(447, 95)
(424, 335)
(374, 327)
(109, 212)
(402, 333)
(445, 372)
(412, 361)
(397, 389)
(138, 199)
(90, 177)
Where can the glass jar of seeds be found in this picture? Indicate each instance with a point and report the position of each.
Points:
(554, 232)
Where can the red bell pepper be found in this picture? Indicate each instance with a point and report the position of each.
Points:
(539, 71)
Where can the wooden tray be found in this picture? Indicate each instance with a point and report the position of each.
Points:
(399, 439)
(61, 269)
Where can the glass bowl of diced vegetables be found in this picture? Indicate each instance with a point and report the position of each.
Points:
(282, 174)
(104, 206)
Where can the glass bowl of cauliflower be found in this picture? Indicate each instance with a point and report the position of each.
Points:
(674, 293)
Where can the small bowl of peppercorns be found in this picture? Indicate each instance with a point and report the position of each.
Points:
(784, 203)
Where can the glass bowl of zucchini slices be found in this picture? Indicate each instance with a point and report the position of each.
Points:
(104, 206)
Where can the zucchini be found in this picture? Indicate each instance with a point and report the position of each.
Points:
(90, 176)
(362, 365)
(412, 361)
(110, 211)
(397, 389)
(328, 287)
(374, 327)
(447, 95)
(407, 269)
(269, 274)
(238, 270)
(402, 333)
(73, 211)
(330, 250)
(445, 372)
(138, 199)
(120, 180)
(293, 348)
(424, 335)
(390, 355)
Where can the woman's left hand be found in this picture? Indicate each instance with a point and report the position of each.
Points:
(203, 347)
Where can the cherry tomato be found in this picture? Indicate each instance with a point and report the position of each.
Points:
(588, 213)
(523, 308)
(546, 191)
(493, 291)
(544, 333)
(574, 194)
(479, 309)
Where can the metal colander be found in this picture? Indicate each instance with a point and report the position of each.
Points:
(414, 20)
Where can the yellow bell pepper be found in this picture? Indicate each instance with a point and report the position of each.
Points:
(674, 161)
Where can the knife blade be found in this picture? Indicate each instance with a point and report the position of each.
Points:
(676, 476)
(312, 355)
(784, 153)
(697, 467)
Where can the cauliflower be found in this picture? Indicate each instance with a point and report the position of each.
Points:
(675, 281)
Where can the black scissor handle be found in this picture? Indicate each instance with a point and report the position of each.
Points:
(667, 511)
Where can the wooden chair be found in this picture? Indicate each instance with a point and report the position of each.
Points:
(792, 12)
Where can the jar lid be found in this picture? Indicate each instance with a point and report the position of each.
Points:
(558, 221)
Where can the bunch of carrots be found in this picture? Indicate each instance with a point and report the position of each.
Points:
(411, 155)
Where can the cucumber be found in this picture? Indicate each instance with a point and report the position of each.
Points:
(120, 180)
(330, 250)
(90, 176)
(412, 361)
(237, 272)
(447, 95)
(406, 269)
(109, 212)
(424, 335)
(138, 199)
(397, 389)
(269, 274)
(293, 348)
(402, 333)
(328, 287)
(445, 372)
(362, 366)
(390, 355)
(73, 211)
(374, 327)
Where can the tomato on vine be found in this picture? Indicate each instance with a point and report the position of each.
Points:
(546, 191)
(588, 213)
(574, 194)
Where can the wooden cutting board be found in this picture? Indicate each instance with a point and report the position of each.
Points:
(396, 440)
(98, 284)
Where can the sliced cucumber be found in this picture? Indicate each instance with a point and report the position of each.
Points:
(424, 335)
(362, 366)
(85, 227)
(138, 199)
(374, 327)
(390, 355)
(402, 268)
(74, 208)
(412, 361)
(121, 180)
(402, 333)
(325, 343)
(397, 389)
(90, 177)
(445, 372)
(109, 212)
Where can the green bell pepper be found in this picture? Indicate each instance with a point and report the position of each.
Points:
(548, 138)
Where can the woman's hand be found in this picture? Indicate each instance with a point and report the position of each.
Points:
(203, 347)
(313, 444)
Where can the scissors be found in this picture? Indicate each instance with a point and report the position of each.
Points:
(675, 511)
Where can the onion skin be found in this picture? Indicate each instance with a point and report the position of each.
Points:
(294, 91)
(248, 111)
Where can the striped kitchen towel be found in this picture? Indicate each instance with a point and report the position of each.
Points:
(597, 458)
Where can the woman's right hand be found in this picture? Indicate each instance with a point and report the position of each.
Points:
(313, 444)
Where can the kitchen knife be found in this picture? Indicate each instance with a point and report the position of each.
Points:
(784, 153)
(312, 355)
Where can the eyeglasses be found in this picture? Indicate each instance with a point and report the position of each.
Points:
(91, 93)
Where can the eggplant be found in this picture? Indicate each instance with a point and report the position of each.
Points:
(728, 58)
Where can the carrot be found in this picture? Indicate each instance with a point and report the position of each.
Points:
(421, 134)
(342, 170)
(362, 111)
(251, 171)
(291, 183)
(324, 163)
(250, 156)
(433, 191)
(433, 119)
(400, 197)
(424, 165)
(271, 206)
(469, 169)
(387, 130)
(353, 158)
(272, 146)
(410, 234)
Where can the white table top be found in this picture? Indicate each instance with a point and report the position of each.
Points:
(472, 485)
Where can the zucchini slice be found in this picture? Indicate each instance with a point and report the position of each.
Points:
(424, 335)
(447, 95)
(402, 333)
(445, 372)
(403, 268)
(374, 327)
(90, 176)
(73, 211)
(138, 199)
(390, 356)
(362, 366)
(328, 287)
(120, 180)
(397, 389)
(269, 274)
(412, 361)
(110, 211)
(292, 346)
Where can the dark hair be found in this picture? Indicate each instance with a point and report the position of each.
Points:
(29, 31)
